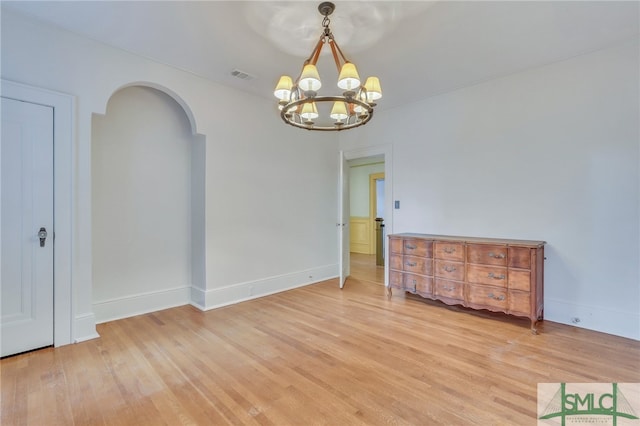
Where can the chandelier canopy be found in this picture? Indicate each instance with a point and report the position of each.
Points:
(299, 100)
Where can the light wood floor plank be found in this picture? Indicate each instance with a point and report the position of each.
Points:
(314, 355)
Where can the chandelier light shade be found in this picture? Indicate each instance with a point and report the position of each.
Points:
(310, 79)
(309, 111)
(348, 78)
(283, 89)
(339, 111)
(298, 100)
(374, 92)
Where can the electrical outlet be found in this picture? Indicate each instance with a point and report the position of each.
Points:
(575, 320)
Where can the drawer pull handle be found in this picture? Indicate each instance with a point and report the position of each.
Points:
(410, 247)
(448, 268)
(496, 277)
(411, 263)
(415, 285)
(447, 288)
(449, 250)
(493, 296)
(497, 256)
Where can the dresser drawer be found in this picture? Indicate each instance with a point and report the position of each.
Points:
(395, 279)
(395, 262)
(449, 270)
(449, 289)
(418, 284)
(415, 247)
(488, 296)
(491, 275)
(449, 251)
(395, 245)
(519, 302)
(418, 265)
(487, 255)
(519, 280)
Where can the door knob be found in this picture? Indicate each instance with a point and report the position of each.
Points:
(42, 234)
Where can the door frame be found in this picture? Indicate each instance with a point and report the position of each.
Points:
(373, 203)
(387, 152)
(63, 154)
(344, 221)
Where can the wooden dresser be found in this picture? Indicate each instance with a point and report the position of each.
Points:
(480, 273)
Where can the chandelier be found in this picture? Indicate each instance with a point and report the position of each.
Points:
(300, 104)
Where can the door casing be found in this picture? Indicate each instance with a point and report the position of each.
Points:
(372, 209)
(343, 224)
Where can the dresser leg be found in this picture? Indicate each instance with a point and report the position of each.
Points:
(534, 330)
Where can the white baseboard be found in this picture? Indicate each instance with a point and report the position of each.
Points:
(137, 304)
(84, 328)
(198, 297)
(619, 323)
(240, 292)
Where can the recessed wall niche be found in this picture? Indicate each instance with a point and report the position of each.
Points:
(141, 204)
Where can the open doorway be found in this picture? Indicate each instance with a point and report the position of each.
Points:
(366, 176)
(384, 154)
(366, 234)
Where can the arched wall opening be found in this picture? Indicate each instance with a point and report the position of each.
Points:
(147, 204)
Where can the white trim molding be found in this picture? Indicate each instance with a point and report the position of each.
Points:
(64, 107)
(138, 304)
(240, 292)
(85, 327)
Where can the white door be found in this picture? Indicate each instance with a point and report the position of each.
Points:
(343, 219)
(27, 206)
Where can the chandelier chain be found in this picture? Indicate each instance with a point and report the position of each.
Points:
(326, 35)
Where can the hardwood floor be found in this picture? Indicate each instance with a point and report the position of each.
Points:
(314, 355)
(363, 267)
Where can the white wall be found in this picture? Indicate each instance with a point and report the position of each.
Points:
(271, 204)
(359, 187)
(270, 190)
(141, 192)
(551, 154)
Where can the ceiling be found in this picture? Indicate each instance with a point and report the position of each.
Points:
(417, 48)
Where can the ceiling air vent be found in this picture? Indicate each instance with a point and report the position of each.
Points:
(242, 75)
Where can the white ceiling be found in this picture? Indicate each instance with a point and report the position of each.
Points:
(418, 49)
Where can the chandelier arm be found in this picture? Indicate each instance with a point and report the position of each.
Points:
(313, 59)
(340, 51)
(335, 54)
